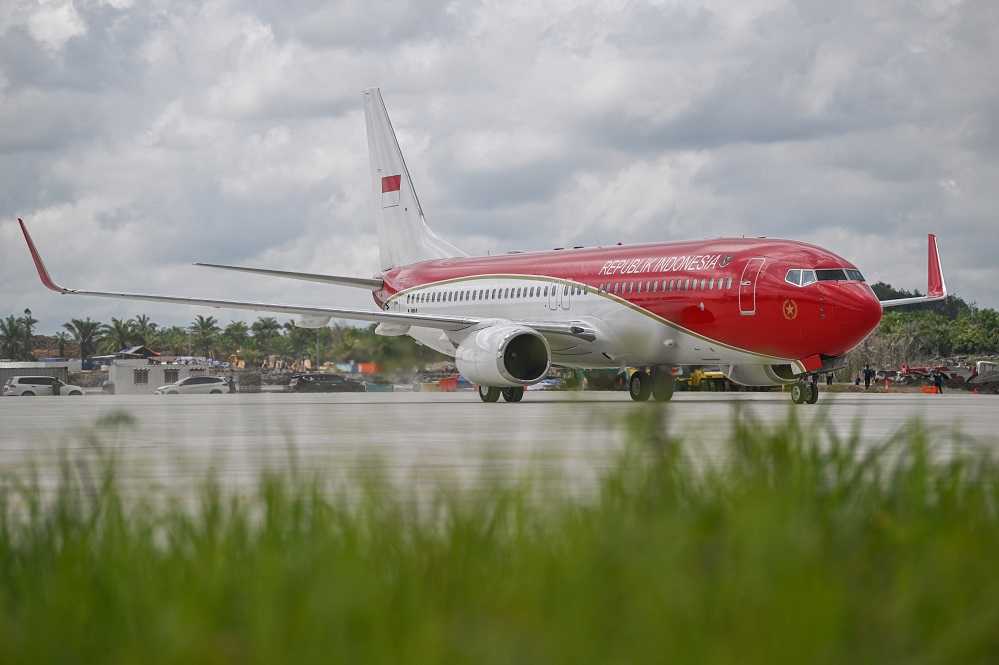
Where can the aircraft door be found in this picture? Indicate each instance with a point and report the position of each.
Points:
(559, 297)
(747, 286)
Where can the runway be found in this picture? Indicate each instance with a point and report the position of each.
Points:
(423, 437)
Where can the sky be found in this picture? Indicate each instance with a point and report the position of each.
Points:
(139, 137)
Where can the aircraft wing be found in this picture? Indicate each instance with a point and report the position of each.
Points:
(358, 282)
(446, 323)
(936, 286)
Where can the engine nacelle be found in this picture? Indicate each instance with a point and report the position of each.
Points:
(504, 356)
(761, 375)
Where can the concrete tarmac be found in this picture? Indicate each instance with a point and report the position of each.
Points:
(423, 437)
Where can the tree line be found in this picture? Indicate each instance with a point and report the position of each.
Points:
(924, 332)
(205, 336)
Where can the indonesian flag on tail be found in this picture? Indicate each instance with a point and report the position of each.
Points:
(390, 190)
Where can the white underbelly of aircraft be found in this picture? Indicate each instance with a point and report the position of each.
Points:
(626, 336)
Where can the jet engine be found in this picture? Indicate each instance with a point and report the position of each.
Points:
(504, 356)
(761, 375)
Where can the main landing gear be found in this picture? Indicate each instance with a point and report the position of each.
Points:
(659, 385)
(805, 392)
(492, 394)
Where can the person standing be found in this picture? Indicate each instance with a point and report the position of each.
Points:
(938, 382)
(868, 375)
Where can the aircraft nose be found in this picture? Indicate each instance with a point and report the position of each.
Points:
(863, 311)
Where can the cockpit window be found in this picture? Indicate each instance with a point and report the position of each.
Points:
(803, 277)
(800, 277)
(831, 275)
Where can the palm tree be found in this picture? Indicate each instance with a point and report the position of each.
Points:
(300, 340)
(27, 324)
(235, 336)
(265, 330)
(10, 337)
(84, 332)
(117, 336)
(61, 340)
(205, 331)
(143, 330)
(172, 340)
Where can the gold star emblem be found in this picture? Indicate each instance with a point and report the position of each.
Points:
(790, 310)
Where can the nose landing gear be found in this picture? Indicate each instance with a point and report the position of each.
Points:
(805, 392)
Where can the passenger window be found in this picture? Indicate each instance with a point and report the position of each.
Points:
(711, 284)
(638, 289)
(729, 282)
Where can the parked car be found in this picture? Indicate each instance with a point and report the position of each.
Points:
(196, 385)
(324, 383)
(29, 386)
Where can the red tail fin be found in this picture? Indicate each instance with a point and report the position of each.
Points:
(935, 287)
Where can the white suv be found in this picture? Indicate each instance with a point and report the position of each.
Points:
(196, 385)
(29, 386)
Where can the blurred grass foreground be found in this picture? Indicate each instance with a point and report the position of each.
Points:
(795, 547)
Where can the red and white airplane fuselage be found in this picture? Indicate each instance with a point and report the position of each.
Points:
(766, 311)
(718, 302)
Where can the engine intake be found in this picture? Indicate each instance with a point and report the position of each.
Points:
(504, 355)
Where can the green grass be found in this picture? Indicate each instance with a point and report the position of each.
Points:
(797, 548)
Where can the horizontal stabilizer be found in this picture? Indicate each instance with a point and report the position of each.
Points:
(936, 286)
(356, 282)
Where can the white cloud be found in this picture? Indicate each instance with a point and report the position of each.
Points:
(55, 22)
(143, 136)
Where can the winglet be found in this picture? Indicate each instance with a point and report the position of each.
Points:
(936, 287)
(43, 273)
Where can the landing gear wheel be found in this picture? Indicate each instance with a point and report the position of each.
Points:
(813, 394)
(489, 394)
(799, 392)
(640, 386)
(513, 394)
(663, 384)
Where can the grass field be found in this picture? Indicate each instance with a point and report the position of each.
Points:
(796, 548)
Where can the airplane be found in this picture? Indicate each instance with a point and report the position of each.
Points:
(768, 312)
